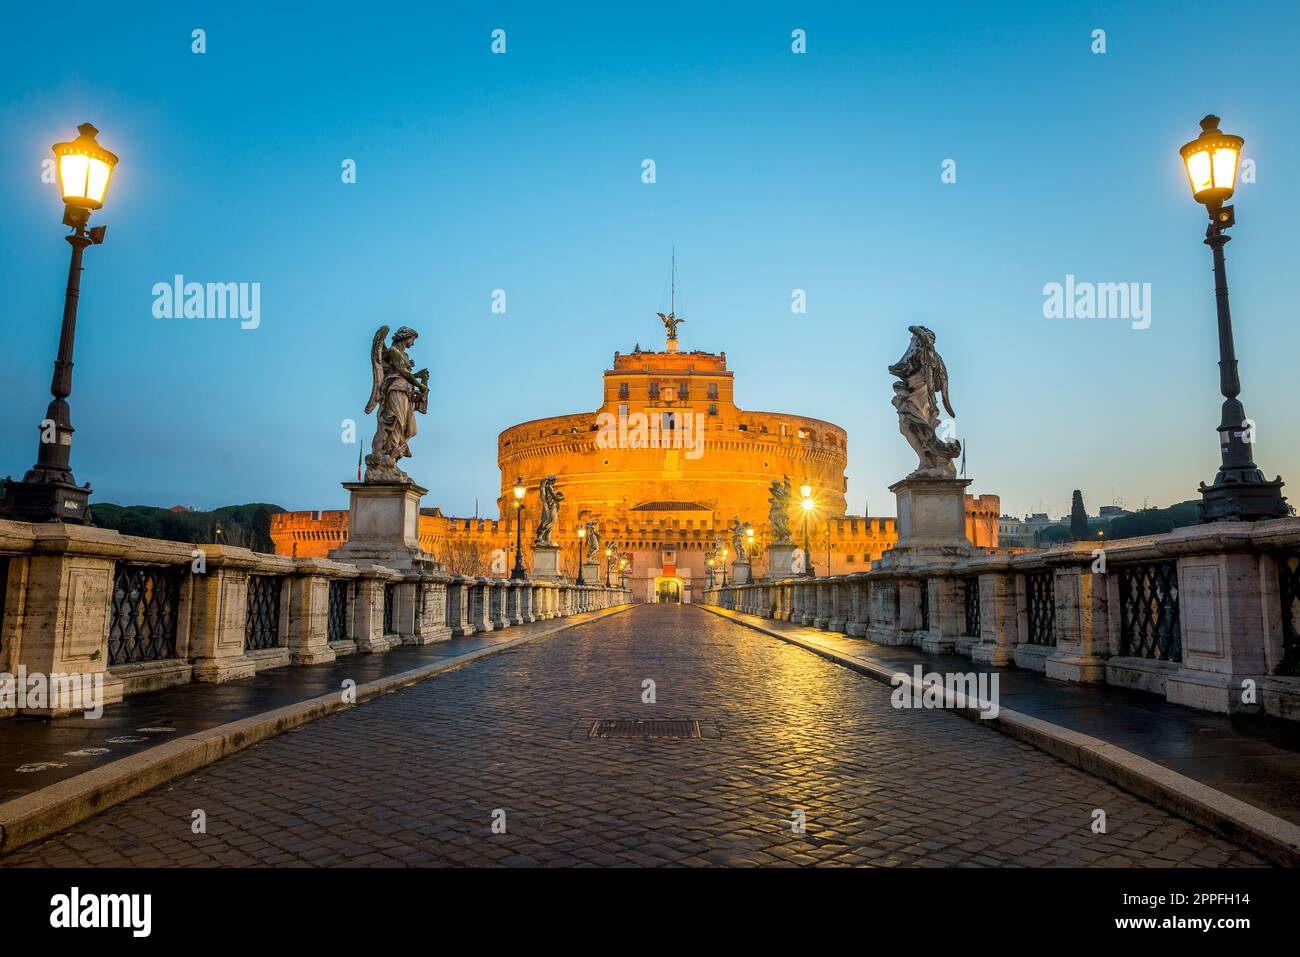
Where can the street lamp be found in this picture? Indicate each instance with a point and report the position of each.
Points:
(724, 567)
(1240, 492)
(582, 536)
(518, 573)
(805, 492)
(609, 565)
(710, 563)
(48, 492)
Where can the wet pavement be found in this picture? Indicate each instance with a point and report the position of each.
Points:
(805, 763)
(1254, 758)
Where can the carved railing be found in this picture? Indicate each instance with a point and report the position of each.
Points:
(1190, 614)
(262, 617)
(923, 597)
(336, 613)
(1150, 624)
(144, 610)
(1288, 568)
(970, 601)
(152, 614)
(1040, 602)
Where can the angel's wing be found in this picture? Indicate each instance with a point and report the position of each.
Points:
(376, 367)
(941, 383)
(662, 316)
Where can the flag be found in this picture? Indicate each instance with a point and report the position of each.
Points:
(359, 463)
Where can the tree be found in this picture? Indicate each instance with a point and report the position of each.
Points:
(1078, 518)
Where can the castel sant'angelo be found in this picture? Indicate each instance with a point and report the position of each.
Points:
(663, 465)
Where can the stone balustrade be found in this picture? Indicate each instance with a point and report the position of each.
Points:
(1207, 616)
(143, 614)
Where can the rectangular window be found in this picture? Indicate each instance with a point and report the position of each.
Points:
(622, 390)
(713, 390)
(654, 390)
(713, 409)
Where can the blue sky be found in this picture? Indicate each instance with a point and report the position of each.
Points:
(522, 172)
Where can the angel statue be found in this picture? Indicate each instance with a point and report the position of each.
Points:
(922, 375)
(397, 393)
(671, 322)
(593, 542)
(611, 560)
(551, 500)
(778, 512)
(738, 539)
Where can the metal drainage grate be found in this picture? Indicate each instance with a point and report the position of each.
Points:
(672, 729)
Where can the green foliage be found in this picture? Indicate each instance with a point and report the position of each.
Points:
(246, 526)
(1154, 521)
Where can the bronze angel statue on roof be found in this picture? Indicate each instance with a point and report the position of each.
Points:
(922, 379)
(671, 322)
(396, 395)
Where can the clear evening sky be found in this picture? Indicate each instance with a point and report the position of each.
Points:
(523, 172)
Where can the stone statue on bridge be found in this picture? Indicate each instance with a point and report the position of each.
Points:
(593, 542)
(396, 395)
(922, 378)
(738, 539)
(778, 513)
(550, 509)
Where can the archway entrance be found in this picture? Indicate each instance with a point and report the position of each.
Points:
(668, 591)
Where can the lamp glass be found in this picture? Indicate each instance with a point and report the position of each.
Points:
(805, 491)
(1200, 171)
(84, 169)
(1225, 168)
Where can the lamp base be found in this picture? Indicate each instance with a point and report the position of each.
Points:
(1242, 496)
(37, 499)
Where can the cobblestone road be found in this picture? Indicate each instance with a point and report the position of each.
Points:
(414, 778)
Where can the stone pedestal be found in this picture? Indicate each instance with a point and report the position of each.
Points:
(383, 525)
(740, 573)
(780, 559)
(591, 573)
(546, 563)
(932, 518)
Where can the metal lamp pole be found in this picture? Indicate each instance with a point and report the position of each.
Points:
(1240, 492)
(48, 492)
(519, 573)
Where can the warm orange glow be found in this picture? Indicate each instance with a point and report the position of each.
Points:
(84, 169)
(1211, 160)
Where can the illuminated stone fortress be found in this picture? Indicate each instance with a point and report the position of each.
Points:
(662, 465)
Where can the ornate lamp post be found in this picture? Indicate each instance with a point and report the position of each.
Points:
(710, 564)
(1240, 492)
(609, 564)
(805, 492)
(622, 573)
(518, 573)
(724, 567)
(582, 537)
(48, 492)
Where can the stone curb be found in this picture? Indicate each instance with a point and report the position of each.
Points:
(58, 807)
(1266, 834)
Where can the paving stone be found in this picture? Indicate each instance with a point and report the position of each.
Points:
(413, 779)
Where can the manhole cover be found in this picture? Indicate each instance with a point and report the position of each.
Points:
(651, 729)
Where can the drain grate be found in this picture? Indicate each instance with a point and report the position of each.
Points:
(672, 729)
